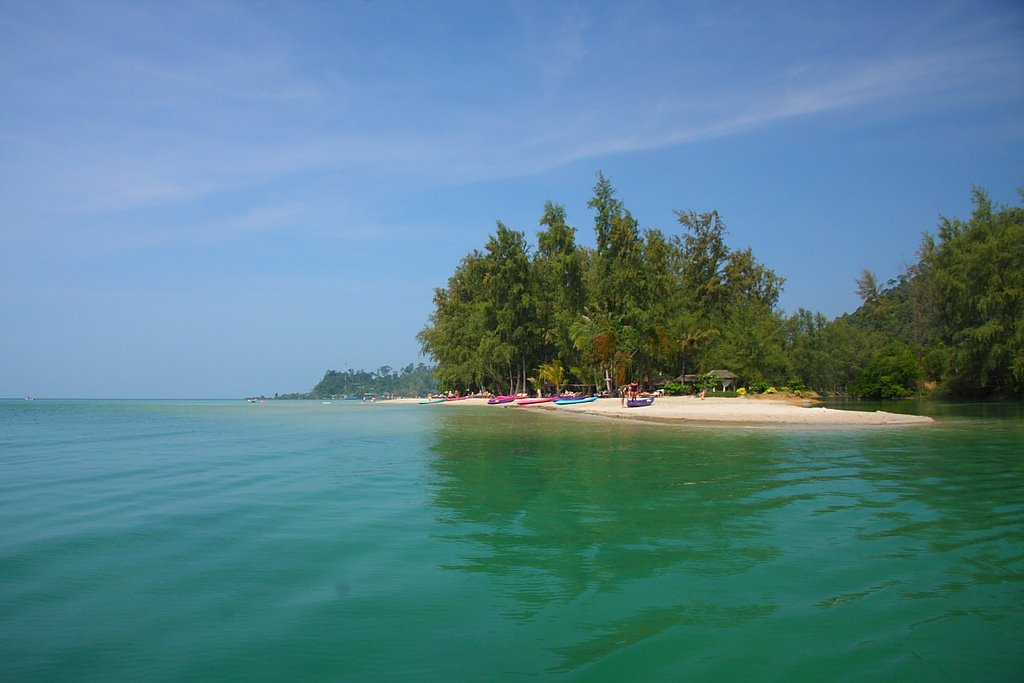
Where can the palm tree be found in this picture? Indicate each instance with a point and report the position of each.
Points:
(553, 373)
(597, 336)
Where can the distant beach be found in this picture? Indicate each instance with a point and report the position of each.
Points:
(682, 409)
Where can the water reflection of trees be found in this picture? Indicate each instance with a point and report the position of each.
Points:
(614, 535)
(557, 513)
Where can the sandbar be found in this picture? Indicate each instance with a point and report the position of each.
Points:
(762, 410)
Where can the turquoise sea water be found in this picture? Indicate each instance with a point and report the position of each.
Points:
(178, 540)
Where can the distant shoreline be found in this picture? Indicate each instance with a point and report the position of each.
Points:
(725, 411)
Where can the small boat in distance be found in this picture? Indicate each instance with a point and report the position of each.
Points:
(432, 400)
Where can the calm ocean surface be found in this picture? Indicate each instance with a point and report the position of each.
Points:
(205, 540)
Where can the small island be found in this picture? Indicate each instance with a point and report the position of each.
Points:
(659, 313)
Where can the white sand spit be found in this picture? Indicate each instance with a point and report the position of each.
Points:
(747, 410)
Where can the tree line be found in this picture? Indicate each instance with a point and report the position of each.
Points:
(644, 304)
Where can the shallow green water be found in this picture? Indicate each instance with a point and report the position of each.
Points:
(147, 540)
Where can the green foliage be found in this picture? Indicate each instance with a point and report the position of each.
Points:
(557, 286)
(751, 342)
(706, 381)
(704, 256)
(460, 337)
(643, 303)
(891, 374)
(674, 389)
(794, 386)
(822, 355)
(638, 305)
(694, 339)
(759, 387)
(960, 310)
(483, 330)
(553, 373)
(976, 270)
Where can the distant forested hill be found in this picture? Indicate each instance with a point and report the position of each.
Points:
(412, 380)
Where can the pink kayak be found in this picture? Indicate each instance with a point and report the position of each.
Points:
(500, 399)
(532, 401)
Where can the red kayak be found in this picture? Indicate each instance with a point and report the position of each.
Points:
(500, 399)
(532, 401)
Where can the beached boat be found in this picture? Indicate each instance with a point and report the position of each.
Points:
(640, 402)
(532, 401)
(432, 400)
(573, 401)
(497, 400)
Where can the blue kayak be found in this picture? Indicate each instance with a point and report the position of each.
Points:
(574, 401)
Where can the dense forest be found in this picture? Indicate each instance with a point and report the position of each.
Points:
(643, 304)
(412, 380)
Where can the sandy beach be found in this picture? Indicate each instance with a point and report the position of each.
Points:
(681, 409)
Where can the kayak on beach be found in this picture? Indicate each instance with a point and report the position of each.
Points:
(640, 402)
(573, 401)
(532, 401)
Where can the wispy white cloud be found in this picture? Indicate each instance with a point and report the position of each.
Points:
(893, 86)
(148, 123)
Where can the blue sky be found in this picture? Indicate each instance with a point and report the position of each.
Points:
(218, 199)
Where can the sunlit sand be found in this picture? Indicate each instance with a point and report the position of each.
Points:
(671, 409)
